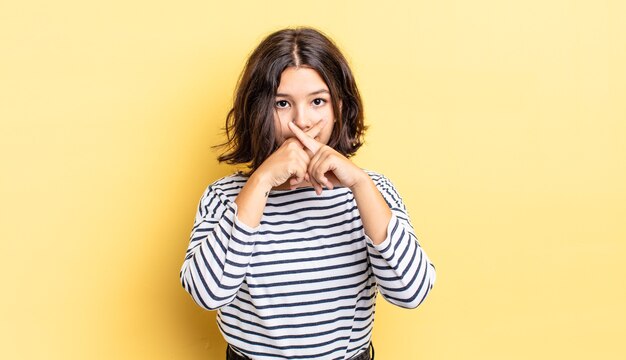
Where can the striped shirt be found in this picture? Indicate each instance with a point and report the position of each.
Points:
(302, 284)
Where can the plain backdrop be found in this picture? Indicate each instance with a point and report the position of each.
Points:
(502, 124)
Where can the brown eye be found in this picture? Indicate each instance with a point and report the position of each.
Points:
(319, 102)
(281, 104)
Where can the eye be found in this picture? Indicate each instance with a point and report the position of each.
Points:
(281, 104)
(319, 102)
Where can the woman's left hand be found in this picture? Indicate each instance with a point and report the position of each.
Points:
(327, 167)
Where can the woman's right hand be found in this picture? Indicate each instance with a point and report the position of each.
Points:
(289, 162)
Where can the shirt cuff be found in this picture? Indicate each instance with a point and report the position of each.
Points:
(384, 246)
(240, 225)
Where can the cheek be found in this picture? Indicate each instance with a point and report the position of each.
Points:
(283, 132)
(326, 133)
(328, 112)
(279, 131)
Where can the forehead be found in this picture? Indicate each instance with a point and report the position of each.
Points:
(300, 81)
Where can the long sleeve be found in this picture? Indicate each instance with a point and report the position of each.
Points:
(219, 251)
(402, 269)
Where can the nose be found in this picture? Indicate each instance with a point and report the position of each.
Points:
(301, 119)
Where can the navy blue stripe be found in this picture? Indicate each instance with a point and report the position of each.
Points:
(206, 287)
(395, 226)
(304, 346)
(314, 197)
(389, 258)
(235, 178)
(430, 287)
(230, 248)
(219, 184)
(404, 219)
(366, 336)
(406, 249)
(201, 237)
(412, 298)
(290, 325)
(195, 294)
(236, 264)
(274, 356)
(310, 228)
(303, 271)
(366, 327)
(199, 210)
(392, 194)
(243, 231)
(410, 283)
(215, 279)
(395, 267)
(291, 336)
(223, 230)
(297, 315)
(307, 259)
(310, 218)
(374, 255)
(310, 248)
(224, 272)
(204, 221)
(358, 349)
(198, 227)
(305, 303)
(308, 281)
(212, 206)
(403, 273)
(231, 188)
(183, 281)
(310, 208)
(316, 237)
(214, 254)
(282, 193)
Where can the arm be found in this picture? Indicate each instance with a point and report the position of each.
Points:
(222, 238)
(219, 252)
(288, 163)
(328, 167)
(404, 272)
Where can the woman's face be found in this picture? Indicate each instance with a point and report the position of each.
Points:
(302, 97)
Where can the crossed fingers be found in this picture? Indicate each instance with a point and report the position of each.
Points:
(308, 138)
(310, 143)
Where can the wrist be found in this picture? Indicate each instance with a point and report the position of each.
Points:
(258, 180)
(362, 181)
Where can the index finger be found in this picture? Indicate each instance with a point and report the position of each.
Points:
(316, 129)
(304, 138)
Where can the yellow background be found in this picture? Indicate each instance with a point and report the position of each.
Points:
(502, 123)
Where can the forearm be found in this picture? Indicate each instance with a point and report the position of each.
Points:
(375, 213)
(219, 251)
(403, 271)
(251, 200)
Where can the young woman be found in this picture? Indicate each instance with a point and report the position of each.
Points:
(293, 252)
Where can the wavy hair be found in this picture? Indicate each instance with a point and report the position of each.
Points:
(250, 127)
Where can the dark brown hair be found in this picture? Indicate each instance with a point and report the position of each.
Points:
(250, 128)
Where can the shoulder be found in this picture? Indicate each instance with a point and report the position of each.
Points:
(386, 187)
(226, 187)
(229, 181)
(379, 179)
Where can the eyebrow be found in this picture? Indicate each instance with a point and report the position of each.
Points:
(321, 91)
